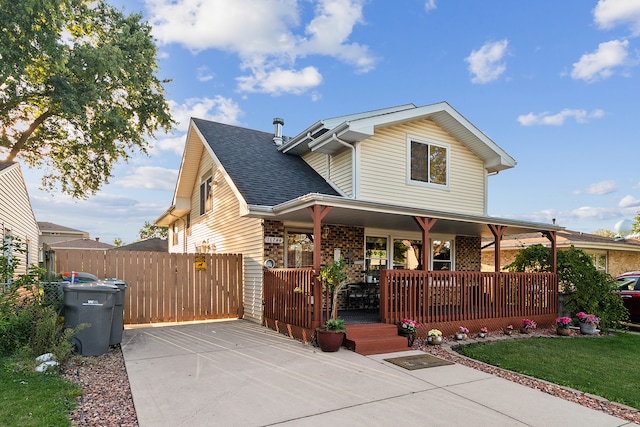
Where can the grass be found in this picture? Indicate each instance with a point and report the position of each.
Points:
(33, 399)
(606, 366)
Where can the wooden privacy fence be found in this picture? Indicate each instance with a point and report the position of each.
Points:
(166, 287)
(288, 296)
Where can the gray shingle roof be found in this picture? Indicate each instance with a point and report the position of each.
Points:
(4, 165)
(155, 244)
(85, 244)
(51, 227)
(262, 174)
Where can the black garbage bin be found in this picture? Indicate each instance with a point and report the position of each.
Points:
(117, 324)
(90, 303)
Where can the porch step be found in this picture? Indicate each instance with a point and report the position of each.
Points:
(374, 338)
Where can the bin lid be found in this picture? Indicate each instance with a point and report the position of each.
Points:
(114, 281)
(90, 287)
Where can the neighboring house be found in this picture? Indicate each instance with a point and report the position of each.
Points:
(154, 244)
(54, 233)
(17, 220)
(402, 188)
(610, 255)
(82, 244)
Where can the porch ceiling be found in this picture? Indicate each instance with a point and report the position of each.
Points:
(377, 215)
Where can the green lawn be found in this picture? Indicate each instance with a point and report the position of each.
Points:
(32, 399)
(607, 366)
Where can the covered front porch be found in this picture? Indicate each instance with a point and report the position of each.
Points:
(436, 294)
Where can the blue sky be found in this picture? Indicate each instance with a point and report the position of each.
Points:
(554, 83)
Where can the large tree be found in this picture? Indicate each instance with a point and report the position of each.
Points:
(150, 231)
(78, 89)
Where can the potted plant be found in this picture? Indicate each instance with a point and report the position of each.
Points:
(483, 332)
(528, 326)
(588, 323)
(462, 333)
(408, 328)
(508, 330)
(562, 326)
(434, 337)
(333, 279)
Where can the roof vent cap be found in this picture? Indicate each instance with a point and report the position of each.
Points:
(277, 131)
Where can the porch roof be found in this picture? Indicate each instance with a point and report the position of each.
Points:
(394, 217)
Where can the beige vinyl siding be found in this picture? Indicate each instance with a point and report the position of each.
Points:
(383, 171)
(317, 161)
(340, 171)
(230, 233)
(16, 215)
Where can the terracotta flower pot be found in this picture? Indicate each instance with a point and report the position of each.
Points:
(329, 341)
(563, 331)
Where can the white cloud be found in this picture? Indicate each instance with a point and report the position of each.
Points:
(629, 201)
(558, 119)
(486, 63)
(611, 13)
(599, 188)
(203, 74)
(219, 109)
(280, 81)
(267, 35)
(150, 178)
(430, 5)
(599, 65)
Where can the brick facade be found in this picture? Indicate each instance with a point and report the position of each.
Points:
(468, 253)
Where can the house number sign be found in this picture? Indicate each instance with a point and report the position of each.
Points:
(201, 264)
(276, 240)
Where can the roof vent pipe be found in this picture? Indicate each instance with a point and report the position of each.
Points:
(277, 132)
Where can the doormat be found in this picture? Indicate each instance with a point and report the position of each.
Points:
(419, 361)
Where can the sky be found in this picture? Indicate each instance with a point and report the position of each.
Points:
(556, 84)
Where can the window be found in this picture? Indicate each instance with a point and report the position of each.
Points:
(407, 254)
(599, 260)
(442, 255)
(174, 233)
(429, 162)
(299, 249)
(375, 256)
(206, 203)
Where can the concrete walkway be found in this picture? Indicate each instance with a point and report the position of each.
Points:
(238, 373)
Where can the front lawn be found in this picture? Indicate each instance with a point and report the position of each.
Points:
(30, 399)
(607, 366)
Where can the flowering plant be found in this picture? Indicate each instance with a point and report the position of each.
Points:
(297, 290)
(463, 330)
(484, 330)
(509, 327)
(529, 324)
(563, 322)
(410, 326)
(587, 318)
(434, 333)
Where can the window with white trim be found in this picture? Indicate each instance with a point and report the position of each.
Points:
(428, 162)
(206, 202)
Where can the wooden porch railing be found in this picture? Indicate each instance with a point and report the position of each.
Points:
(439, 299)
(447, 296)
(288, 296)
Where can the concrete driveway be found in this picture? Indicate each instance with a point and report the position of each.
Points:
(238, 373)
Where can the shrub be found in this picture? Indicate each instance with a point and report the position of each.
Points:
(586, 288)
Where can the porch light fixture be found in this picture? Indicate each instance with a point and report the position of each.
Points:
(325, 232)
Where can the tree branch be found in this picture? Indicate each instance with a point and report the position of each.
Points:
(26, 134)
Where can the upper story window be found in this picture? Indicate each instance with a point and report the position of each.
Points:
(206, 203)
(428, 162)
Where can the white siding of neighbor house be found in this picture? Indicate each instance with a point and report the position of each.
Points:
(230, 233)
(340, 168)
(16, 215)
(383, 171)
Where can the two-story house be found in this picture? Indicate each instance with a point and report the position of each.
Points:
(394, 192)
